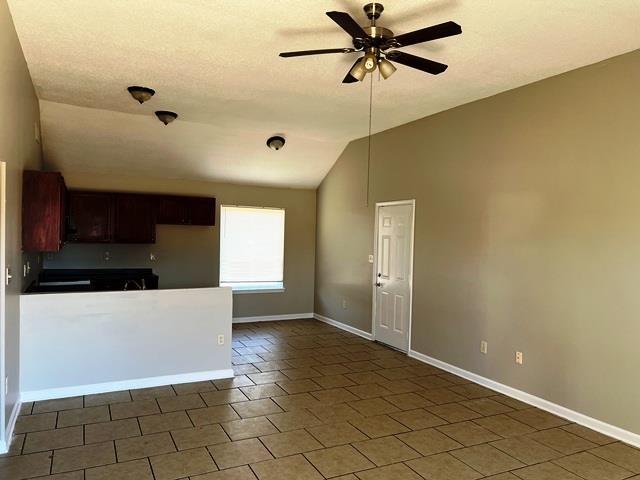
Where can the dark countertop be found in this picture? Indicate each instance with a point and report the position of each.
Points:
(94, 280)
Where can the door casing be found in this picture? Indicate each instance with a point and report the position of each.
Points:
(374, 279)
(3, 265)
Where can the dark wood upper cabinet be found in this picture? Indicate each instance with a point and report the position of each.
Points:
(43, 211)
(51, 214)
(170, 210)
(179, 210)
(135, 219)
(91, 217)
(201, 211)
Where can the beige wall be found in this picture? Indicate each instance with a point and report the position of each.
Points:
(188, 256)
(18, 115)
(527, 235)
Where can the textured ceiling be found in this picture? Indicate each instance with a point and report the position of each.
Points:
(216, 64)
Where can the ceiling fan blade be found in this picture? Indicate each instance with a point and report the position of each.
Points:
(348, 24)
(317, 52)
(434, 32)
(419, 63)
(350, 78)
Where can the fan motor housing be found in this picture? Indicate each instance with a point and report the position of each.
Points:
(378, 32)
(376, 36)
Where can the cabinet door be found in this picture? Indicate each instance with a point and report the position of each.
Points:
(42, 211)
(171, 210)
(90, 217)
(134, 219)
(200, 211)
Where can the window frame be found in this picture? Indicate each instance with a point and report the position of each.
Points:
(240, 288)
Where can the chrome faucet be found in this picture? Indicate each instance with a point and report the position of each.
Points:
(141, 286)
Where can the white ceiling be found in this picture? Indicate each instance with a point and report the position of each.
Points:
(216, 64)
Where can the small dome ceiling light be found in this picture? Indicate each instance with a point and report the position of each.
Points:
(141, 94)
(276, 142)
(166, 117)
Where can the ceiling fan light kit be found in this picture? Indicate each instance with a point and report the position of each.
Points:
(386, 68)
(358, 71)
(380, 45)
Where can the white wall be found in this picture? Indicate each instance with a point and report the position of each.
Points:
(19, 115)
(79, 343)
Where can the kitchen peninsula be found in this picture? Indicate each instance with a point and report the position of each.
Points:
(93, 330)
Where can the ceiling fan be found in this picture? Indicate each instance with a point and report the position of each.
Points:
(380, 45)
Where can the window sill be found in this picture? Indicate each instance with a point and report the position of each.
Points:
(241, 289)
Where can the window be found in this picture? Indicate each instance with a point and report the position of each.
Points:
(251, 248)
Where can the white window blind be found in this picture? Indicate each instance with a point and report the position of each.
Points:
(251, 247)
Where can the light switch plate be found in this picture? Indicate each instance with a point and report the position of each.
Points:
(220, 339)
(370, 258)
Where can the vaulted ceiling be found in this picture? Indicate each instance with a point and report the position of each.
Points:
(216, 64)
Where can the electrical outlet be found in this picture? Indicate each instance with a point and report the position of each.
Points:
(152, 257)
(519, 358)
(107, 256)
(220, 339)
(344, 303)
(370, 258)
(484, 347)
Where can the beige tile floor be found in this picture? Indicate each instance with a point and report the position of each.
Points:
(309, 402)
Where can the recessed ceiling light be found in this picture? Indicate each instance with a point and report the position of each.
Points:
(141, 94)
(166, 117)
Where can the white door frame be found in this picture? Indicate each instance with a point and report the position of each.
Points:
(374, 273)
(3, 306)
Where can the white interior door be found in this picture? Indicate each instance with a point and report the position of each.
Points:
(394, 261)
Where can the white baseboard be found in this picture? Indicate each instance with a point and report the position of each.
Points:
(5, 443)
(74, 391)
(343, 326)
(273, 318)
(579, 418)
